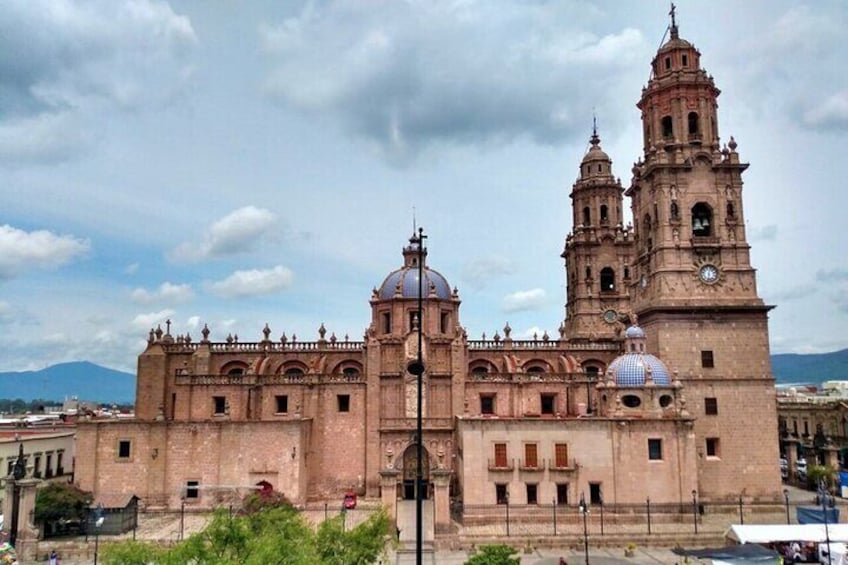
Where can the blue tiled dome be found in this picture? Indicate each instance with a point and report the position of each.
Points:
(629, 369)
(408, 278)
(634, 332)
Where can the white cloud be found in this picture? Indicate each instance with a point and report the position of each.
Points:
(193, 322)
(524, 300)
(253, 282)
(404, 75)
(832, 113)
(479, 271)
(237, 232)
(21, 251)
(152, 319)
(82, 57)
(167, 292)
(763, 233)
(531, 333)
(131, 269)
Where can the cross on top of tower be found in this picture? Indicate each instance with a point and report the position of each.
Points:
(673, 13)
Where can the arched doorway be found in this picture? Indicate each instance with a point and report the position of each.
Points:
(410, 470)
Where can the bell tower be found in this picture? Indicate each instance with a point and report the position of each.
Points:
(694, 289)
(598, 250)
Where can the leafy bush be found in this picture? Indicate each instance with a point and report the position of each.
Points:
(61, 501)
(494, 555)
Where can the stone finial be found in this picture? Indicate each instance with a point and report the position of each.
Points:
(483, 337)
(374, 293)
(497, 337)
(535, 336)
(294, 338)
(205, 333)
(346, 338)
(151, 337)
(283, 338)
(333, 338)
(235, 338)
(507, 330)
(159, 332)
(455, 293)
(545, 336)
(322, 331)
(168, 326)
(266, 331)
(188, 338)
(230, 338)
(562, 330)
(732, 145)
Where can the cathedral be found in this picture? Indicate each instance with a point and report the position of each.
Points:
(657, 385)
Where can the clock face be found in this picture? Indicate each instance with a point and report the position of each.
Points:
(610, 316)
(708, 273)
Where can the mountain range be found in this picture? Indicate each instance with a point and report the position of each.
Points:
(91, 382)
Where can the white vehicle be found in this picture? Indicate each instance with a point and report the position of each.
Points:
(838, 553)
(784, 468)
(801, 469)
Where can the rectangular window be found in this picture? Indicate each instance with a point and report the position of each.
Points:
(124, 449)
(531, 460)
(500, 455)
(60, 470)
(562, 494)
(655, 449)
(711, 406)
(548, 404)
(37, 467)
(806, 428)
(282, 403)
(595, 496)
(219, 405)
(487, 403)
(192, 490)
(343, 402)
(173, 405)
(561, 455)
(413, 320)
(444, 322)
(48, 465)
(712, 447)
(707, 359)
(501, 494)
(387, 322)
(531, 493)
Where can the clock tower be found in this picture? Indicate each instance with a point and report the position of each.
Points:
(597, 252)
(693, 287)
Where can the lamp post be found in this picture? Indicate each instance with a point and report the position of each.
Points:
(786, 500)
(741, 514)
(584, 509)
(554, 505)
(506, 500)
(695, 509)
(98, 521)
(824, 496)
(182, 516)
(417, 368)
(648, 504)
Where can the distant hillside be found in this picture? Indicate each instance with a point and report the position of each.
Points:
(812, 368)
(82, 379)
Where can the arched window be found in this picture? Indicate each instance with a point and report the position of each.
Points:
(667, 127)
(293, 371)
(587, 216)
(236, 371)
(604, 214)
(607, 279)
(536, 369)
(588, 272)
(693, 123)
(627, 273)
(731, 211)
(646, 223)
(675, 210)
(480, 369)
(702, 220)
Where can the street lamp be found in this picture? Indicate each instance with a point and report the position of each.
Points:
(98, 521)
(825, 498)
(182, 516)
(786, 500)
(506, 500)
(695, 509)
(584, 509)
(554, 504)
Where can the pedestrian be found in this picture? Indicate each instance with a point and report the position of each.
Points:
(562, 561)
(54, 559)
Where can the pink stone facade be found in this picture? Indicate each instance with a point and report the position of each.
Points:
(543, 418)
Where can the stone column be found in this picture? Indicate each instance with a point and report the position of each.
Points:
(388, 491)
(791, 457)
(27, 542)
(8, 502)
(441, 499)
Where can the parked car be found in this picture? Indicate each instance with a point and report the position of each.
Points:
(784, 468)
(801, 469)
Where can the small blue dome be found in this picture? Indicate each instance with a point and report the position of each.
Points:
(629, 369)
(408, 279)
(634, 332)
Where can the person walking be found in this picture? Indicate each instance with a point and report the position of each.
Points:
(54, 558)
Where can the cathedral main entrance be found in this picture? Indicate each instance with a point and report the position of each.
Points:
(410, 469)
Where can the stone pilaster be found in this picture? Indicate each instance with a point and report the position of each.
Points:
(388, 491)
(441, 499)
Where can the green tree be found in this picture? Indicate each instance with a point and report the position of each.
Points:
(61, 501)
(818, 473)
(494, 555)
(361, 545)
(130, 553)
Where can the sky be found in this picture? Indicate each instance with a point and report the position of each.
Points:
(242, 163)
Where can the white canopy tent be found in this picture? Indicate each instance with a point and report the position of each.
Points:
(787, 533)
